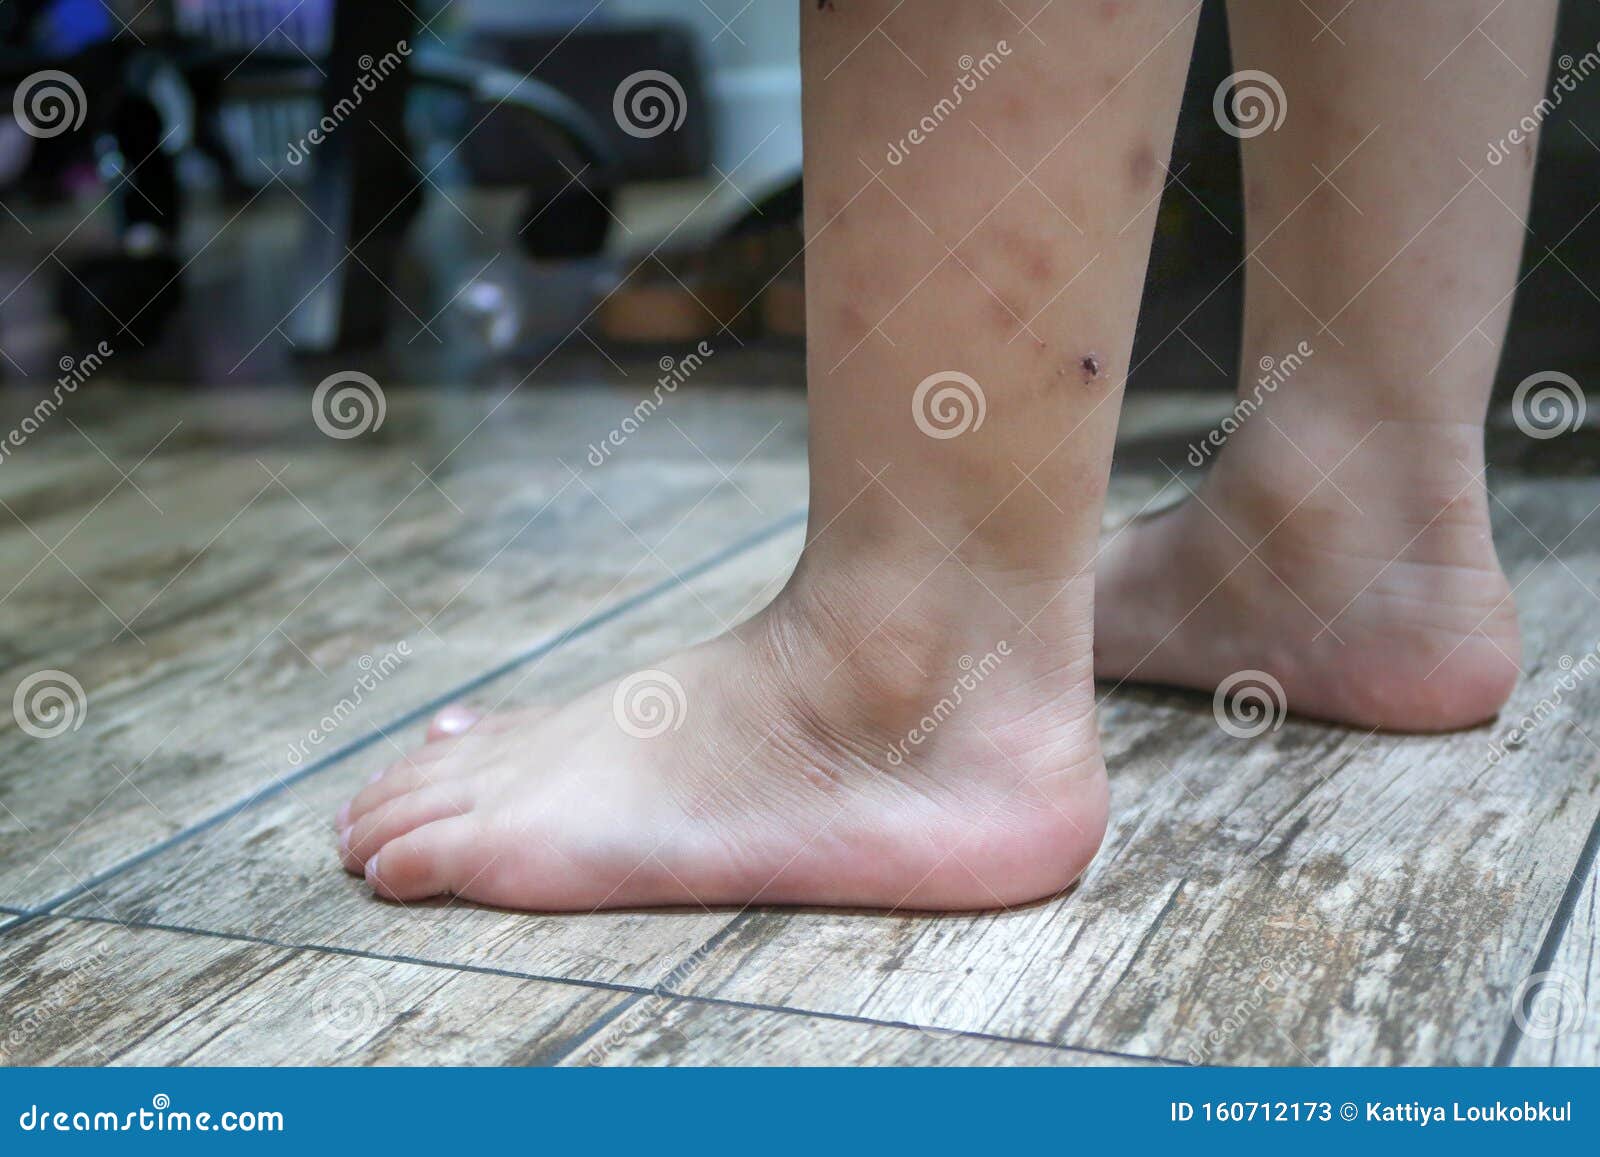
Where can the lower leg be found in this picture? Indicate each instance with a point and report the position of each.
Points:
(911, 722)
(1341, 540)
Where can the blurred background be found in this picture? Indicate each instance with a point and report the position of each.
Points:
(487, 192)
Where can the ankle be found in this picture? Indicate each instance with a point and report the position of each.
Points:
(1370, 378)
(887, 637)
(1384, 481)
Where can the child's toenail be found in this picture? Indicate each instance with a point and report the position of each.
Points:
(344, 837)
(372, 871)
(342, 820)
(454, 720)
(375, 776)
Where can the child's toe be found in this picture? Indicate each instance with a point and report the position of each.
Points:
(439, 857)
(389, 821)
(456, 719)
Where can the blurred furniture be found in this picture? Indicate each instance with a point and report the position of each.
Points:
(355, 170)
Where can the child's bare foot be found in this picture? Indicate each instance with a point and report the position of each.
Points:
(847, 748)
(1372, 595)
(911, 723)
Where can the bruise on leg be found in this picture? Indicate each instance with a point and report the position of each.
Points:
(1028, 254)
(1006, 319)
(855, 323)
(1141, 166)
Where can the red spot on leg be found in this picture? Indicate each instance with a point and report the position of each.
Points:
(1141, 165)
(854, 322)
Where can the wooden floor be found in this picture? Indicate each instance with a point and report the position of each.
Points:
(219, 577)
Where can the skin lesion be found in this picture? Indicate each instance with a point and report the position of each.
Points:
(1089, 368)
(1141, 166)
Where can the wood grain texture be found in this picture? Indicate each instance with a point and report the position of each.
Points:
(1310, 895)
(265, 570)
(1560, 1004)
(271, 872)
(1313, 895)
(91, 993)
(663, 1032)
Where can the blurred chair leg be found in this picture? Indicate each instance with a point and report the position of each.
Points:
(361, 168)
